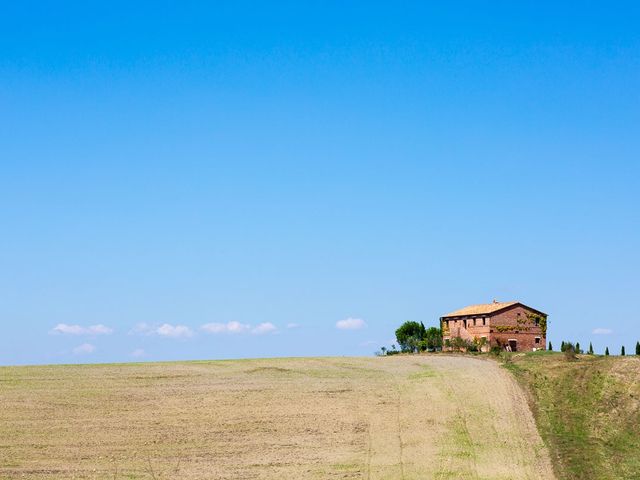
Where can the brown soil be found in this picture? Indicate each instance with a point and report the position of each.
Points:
(401, 417)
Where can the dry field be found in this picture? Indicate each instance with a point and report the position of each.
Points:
(402, 417)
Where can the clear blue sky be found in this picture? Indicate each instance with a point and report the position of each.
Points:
(169, 165)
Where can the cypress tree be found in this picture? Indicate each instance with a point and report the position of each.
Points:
(562, 346)
(622, 351)
(606, 351)
(578, 347)
(590, 349)
(637, 348)
(551, 346)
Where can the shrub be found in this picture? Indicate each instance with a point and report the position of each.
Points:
(569, 351)
(567, 346)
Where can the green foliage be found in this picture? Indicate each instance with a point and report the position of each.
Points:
(622, 351)
(562, 346)
(567, 346)
(414, 337)
(586, 412)
(460, 344)
(577, 348)
(590, 349)
(539, 320)
(550, 347)
(606, 351)
(637, 348)
(408, 335)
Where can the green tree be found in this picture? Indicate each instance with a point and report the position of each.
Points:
(433, 338)
(550, 347)
(606, 351)
(409, 335)
(562, 346)
(622, 351)
(577, 348)
(637, 348)
(590, 349)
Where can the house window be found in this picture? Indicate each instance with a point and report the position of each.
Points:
(537, 340)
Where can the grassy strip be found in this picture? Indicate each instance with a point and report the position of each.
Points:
(587, 411)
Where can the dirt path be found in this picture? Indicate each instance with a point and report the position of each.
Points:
(409, 418)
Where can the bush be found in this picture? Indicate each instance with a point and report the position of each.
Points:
(569, 351)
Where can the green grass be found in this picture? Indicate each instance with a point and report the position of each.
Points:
(587, 411)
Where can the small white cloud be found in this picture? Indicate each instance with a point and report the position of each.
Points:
(138, 353)
(63, 328)
(237, 327)
(84, 349)
(292, 325)
(351, 324)
(164, 330)
(602, 331)
(264, 328)
(141, 329)
(173, 331)
(230, 327)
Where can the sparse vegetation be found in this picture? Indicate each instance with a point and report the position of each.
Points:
(587, 411)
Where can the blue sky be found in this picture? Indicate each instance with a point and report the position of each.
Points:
(200, 180)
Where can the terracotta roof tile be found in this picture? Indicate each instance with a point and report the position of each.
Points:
(482, 309)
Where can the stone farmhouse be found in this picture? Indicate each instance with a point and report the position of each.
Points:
(511, 326)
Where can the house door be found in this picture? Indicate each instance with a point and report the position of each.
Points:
(513, 345)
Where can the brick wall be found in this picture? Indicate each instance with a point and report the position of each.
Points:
(500, 329)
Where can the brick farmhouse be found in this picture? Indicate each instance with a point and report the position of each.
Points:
(510, 326)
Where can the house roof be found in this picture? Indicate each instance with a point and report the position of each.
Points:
(482, 309)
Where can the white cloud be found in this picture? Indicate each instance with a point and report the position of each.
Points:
(230, 327)
(173, 331)
(142, 329)
(63, 328)
(264, 328)
(138, 353)
(84, 349)
(292, 325)
(602, 331)
(237, 327)
(351, 324)
(164, 330)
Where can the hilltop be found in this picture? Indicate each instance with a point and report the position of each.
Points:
(402, 417)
